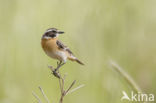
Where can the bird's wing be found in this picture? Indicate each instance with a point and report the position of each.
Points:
(62, 46)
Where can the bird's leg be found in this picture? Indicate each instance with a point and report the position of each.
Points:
(56, 70)
(59, 64)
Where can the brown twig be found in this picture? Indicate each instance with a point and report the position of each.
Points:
(55, 72)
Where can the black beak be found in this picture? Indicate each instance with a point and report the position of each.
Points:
(60, 32)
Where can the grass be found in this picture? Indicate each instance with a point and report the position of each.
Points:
(94, 31)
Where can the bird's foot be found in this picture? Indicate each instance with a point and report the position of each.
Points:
(56, 70)
(59, 64)
(56, 73)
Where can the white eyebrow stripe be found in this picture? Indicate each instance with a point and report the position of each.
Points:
(48, 31)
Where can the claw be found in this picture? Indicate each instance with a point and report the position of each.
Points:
(55, 71)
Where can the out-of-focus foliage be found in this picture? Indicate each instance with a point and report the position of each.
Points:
(96, 31)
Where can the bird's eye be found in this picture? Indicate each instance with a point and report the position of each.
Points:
(47, 34)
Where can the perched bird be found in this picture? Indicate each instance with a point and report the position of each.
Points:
(55, 49)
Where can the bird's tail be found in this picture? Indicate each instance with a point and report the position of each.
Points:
(78, 61)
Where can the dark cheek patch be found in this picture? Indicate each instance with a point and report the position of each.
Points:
(53, 35)
(50, 34)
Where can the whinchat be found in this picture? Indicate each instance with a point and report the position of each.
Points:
(54, 48)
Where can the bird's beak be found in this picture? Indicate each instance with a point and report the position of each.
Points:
(60, 32)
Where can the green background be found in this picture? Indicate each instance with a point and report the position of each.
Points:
(95, 30)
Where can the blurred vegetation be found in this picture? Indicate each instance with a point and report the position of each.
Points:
(96, 31)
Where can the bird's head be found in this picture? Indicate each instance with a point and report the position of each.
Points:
(52, 33)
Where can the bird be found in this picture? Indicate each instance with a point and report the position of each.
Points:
(55, 49)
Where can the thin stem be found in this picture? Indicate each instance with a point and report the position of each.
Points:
(70, 87)
(73, 90)
(126, 76)
(61, 86)
(45, 97)
(55, 72)
(38, 99)
(61, 99)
